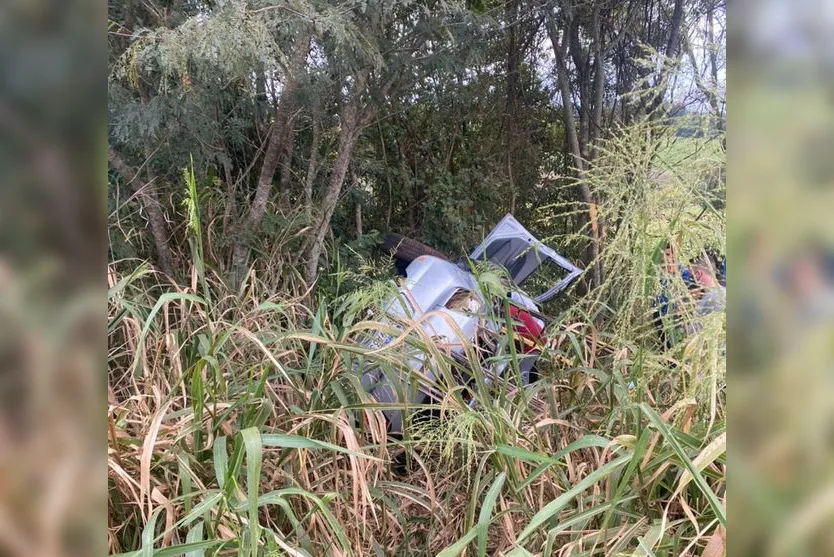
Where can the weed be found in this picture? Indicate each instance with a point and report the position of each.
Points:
(237, 422)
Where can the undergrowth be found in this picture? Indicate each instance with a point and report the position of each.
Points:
(237, 423)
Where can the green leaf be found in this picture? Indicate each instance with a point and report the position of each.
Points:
(485, 516)
(699, 480)
(523, 454)
(198, 401)
(289, 441)
(186, 549)
(148, 534)
(221, 460)
(582, 443)
(552, 508)
(456, 548)
(164, 299)
(710, 454)
(648, 540)
(203, 507)
(254, 453)
(194, 536)
(519, 552)
(548, 461)
(585, 516)
(141, 270)
(278, 497)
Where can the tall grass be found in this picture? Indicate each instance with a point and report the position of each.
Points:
(237, 424)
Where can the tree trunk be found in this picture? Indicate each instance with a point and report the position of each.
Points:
(351, 124)
(409, 178)
(312, 167)
(286, 160)
(513, 94)
(358, 220)
(596, 124)
(567, 100)
(559, 49)
(713, 61)
(708, 90)
(599, 80)
(675, 30)
(388, 179)
(149, 198)
(230, 212)
(277, 136)
(671, 52)
(581, 63)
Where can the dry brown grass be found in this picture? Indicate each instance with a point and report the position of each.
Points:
(236, 424)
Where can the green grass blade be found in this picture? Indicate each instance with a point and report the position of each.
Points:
(221, 460)
(548, 461)
(198, 401)
(164, 299)
(648, 540)
(185, 483)
(583, 443)
(254, 454)
(187, 549)
(523, 454)
(469, 519)
(485, 516)
(274, 497)
(148, 534)
(519, 552)
(553, 508)
(288, 441)
(195, 535)
(584, 516)
(457, 548)
(302, 536)
(199, 509)
(118, 288)
(697, 477)
(710, 454)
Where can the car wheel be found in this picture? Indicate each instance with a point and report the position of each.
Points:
(408, 249)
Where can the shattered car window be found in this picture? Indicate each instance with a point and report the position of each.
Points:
(516, 256)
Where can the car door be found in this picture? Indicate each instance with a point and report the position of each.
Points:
(514, 248)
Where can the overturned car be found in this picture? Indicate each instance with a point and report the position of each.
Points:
(446, 302)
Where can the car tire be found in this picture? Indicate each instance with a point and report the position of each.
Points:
(407, 249)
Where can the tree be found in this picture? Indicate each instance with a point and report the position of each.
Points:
(702, 43)
(583, 37)
(444, 117)
(278, 142)
(146, 192)
(401, 42)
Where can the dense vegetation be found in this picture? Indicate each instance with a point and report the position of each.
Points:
(257, 151)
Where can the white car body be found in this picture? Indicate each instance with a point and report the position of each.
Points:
(449, 305)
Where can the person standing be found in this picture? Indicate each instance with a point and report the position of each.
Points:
(665, 315)
(711, 296)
